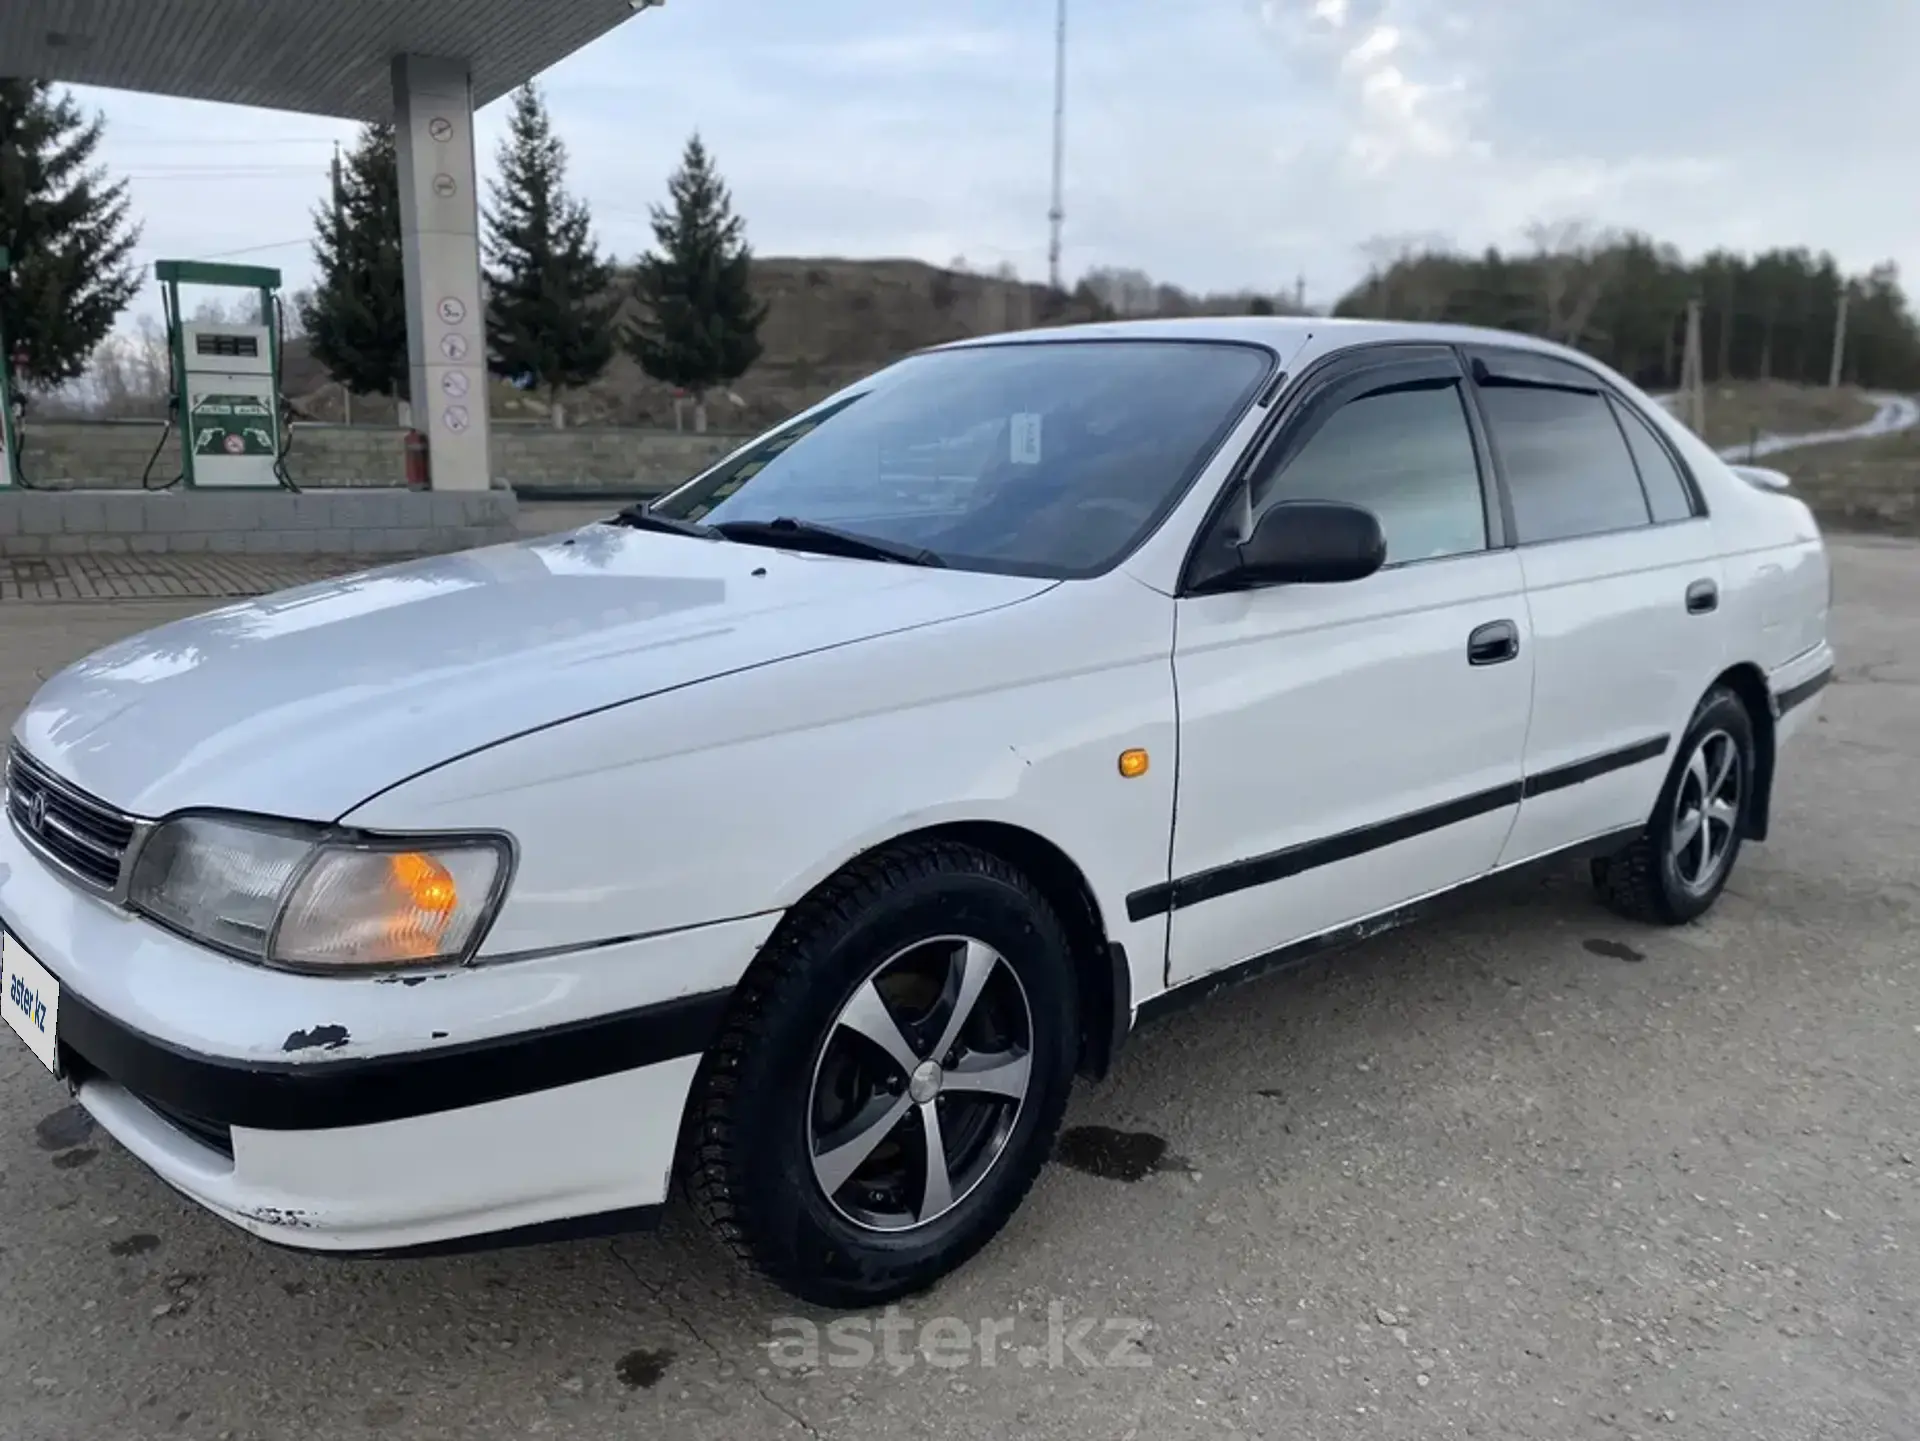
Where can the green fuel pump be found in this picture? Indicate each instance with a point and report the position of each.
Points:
(11, 474)
(226, 402)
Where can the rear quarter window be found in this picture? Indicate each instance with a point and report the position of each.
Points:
(1667, 494)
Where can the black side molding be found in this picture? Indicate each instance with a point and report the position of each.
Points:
(323, 1095)
(1344, 937)
(1580, 772)
(1311, 855)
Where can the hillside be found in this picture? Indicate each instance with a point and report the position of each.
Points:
(1743, 410)
(828, 322)
(1860, 485)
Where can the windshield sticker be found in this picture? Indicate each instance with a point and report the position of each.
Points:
(1024, 438)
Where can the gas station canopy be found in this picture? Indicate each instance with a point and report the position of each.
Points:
(325, 57)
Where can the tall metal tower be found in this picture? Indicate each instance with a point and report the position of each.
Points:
(1058, 214)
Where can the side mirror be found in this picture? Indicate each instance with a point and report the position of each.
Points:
(1307, 542)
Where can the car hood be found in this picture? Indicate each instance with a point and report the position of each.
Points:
(305, 703)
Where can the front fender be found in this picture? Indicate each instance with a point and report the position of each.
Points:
(738, 795)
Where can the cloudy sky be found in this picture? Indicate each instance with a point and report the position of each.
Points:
(1213, 143)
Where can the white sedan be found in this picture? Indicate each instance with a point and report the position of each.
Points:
(804, 834)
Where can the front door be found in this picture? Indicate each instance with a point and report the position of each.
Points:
(1346, 748)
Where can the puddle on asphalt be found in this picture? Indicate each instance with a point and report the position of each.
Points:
(641, 1370)
(63, 1129)
(1115, 1155)
(1613, 950)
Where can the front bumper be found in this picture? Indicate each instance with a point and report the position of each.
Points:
(374, 1113)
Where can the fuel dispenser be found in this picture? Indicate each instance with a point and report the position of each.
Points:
(226, 402)
(11, 407)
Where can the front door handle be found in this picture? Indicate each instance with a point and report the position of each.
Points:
(1702, 596)
(1496, 641)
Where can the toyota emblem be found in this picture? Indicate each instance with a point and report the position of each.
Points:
(37, 812)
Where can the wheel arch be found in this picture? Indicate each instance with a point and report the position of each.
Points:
(1747, 681)
(1102, 973)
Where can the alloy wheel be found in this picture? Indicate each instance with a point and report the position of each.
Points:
(920, 1083)
(1706, 810)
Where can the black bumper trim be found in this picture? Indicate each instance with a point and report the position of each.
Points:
(325, 1095)
(1798, 695)
(598, 1226)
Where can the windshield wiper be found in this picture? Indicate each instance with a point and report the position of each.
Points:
(639, 517)
(786, 533)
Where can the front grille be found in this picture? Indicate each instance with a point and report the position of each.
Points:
(83, 836)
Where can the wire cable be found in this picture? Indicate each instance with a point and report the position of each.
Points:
(281, 403)
(173, 402)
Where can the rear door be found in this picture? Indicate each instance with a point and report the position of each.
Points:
(1622, 582)
(1345, 748)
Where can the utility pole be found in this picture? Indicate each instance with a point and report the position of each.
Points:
(1693, 390)
(1839, 340)
(1058, 214)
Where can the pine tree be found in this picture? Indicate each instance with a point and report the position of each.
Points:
(356, 317)
(701, 324)
(551, 303)
(66, 227)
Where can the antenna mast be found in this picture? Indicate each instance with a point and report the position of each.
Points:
(1058, 214)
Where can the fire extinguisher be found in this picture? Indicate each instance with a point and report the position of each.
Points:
(419, 474)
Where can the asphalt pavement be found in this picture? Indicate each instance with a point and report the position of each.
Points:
(1530, 1172)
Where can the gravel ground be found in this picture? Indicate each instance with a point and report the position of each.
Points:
(1531, 1172)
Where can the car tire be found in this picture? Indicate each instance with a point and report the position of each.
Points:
(1676, 869)
(797, 1071)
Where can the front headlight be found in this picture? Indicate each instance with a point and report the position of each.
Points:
(311, 899)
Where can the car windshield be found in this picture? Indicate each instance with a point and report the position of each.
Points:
(1050, 458)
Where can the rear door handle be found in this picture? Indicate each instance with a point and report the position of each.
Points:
(1496, 641)
(1702, 596)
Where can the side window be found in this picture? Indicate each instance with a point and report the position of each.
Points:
(1566, 463)
(1406, 455)
(1666, 492)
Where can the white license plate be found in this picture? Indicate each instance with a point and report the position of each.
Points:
(30, 997)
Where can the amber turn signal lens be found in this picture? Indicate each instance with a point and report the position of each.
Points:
(425, 883)
(1133, 763)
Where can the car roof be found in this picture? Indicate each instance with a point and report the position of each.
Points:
(1287, 334)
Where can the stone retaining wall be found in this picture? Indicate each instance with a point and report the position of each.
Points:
(113, 455)
(350, 522)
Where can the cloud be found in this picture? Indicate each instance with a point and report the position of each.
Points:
(1372, 51)
(1217, 145)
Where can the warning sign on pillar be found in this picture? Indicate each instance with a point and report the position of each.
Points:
(440, 128)
(445, 186)
(454, 384)
(453, 310)
(454, 347)
(457, 419)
